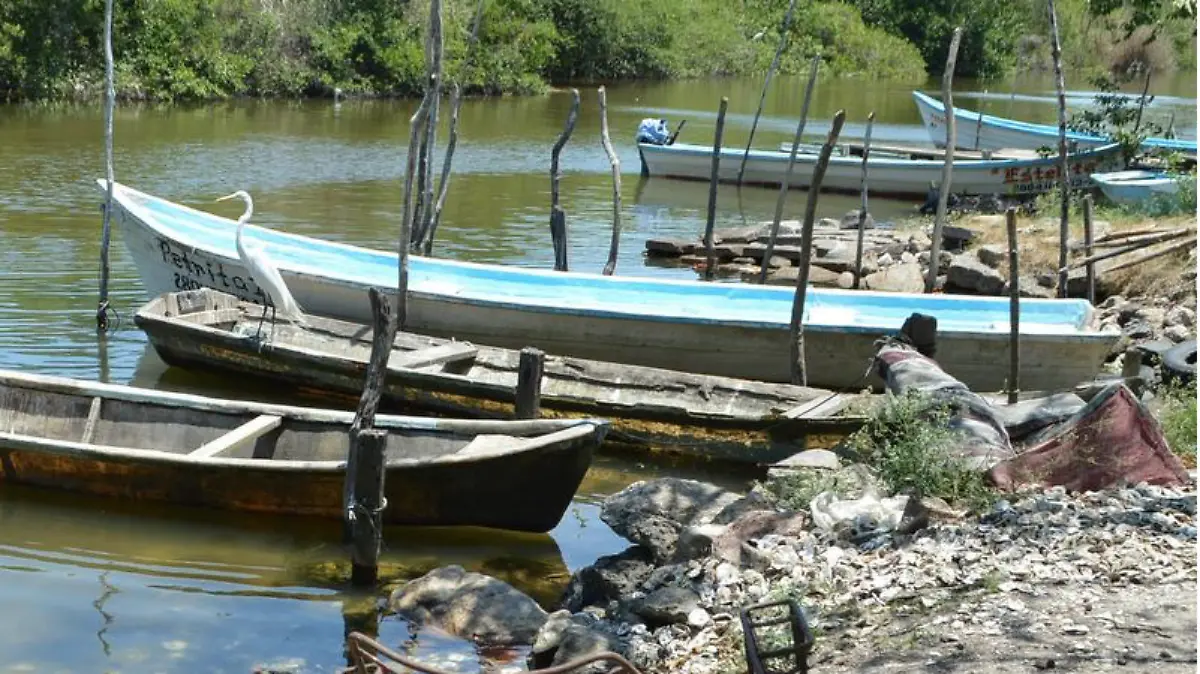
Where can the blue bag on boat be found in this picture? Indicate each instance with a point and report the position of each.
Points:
(653, 131)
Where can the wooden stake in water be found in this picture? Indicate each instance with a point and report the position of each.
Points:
(615, 162)
(935, 248)
(1014, 308)
(365, 514)
(862, 214)
(786, 185)
(798, 366)
(444, 185)
(434, 48)
(1064, 177)
(711, 216)
(1087, 247)
(416, 125)
(783, 38)
(110, 102)
(383, 336)
(530, 367)
(558, 218)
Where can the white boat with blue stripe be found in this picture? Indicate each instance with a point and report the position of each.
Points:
(1135, 186)
(974, 131)
(726, 329)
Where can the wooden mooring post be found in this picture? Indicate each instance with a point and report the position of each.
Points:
(1087, 248)
(1014, 307)
(110, 102)
(558, 218)
(710, 260)
(935, 247)
(615, 162)
(799, 369)
(362, 491)
(862, 214)
(783, 189)
(783, 39)
(1064, 177)
(529, 383)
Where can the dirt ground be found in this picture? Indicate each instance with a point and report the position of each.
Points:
(1133, 628)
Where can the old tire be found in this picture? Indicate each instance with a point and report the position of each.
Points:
(1179, 362)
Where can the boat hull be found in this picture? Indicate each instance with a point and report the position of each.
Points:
(526, 488)
(887, 176)
(734, 330)
(1130, 187)
(973, 131)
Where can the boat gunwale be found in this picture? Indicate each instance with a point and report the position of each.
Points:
(1078, 333)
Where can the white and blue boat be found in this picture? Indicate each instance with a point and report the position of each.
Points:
(733, 330)
(974, 131)
(1131, 187)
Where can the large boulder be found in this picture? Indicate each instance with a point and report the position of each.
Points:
(610, 577)
(470, 606)
(904, 277)
(653, 513)
(665, 606)
(968, 274)
(565, 637)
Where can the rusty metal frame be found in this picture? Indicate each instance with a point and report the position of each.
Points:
(370, 657)
(802, 638)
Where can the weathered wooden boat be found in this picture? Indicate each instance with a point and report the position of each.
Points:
(1129, 187)
(126, 442)
(987, 132)
(697, 415)
(734, 330)
(890, 175)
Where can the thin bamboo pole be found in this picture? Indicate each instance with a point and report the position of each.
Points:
(1014, 307)
(862, 214)
(416, 126)
(935, 249)
(1175, 247)
(711, 215)
(1087, 247)
(615, 162)
(1092, 259)
(558, 218)
(1064, 177)
(444, 184)
(783, 38)
(110, 102)
(799, 369)
(434, 49)
(783, 189)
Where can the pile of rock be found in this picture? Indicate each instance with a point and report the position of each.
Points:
(1036, 562)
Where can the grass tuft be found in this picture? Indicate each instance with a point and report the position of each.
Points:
(1176, 408)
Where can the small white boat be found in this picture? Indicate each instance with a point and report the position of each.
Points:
(974, 131)
(1130, 187)
(733, 330)
(889, 175)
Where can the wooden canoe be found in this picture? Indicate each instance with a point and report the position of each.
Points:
(698, 415)
(125, 442)
(726, 329)
(890, 175)
(987, 132)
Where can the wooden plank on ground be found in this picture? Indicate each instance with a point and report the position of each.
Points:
(248, 432)
(435, 355)
(821, 407)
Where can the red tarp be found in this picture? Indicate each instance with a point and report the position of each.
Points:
(1114, 440)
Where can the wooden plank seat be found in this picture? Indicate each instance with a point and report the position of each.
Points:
(248, 432)
(434, 355)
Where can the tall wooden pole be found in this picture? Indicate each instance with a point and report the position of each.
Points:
(444, 184)
(434, 49)
(416, 125)
(798, 366)
(783, 189)
(711, 216)
(862, 214)
(1064, 177)
(558, 218)
(1014, 307)
(783, 38)
(615, 162)
(935, 248)
(1087, 248)
(110, 102)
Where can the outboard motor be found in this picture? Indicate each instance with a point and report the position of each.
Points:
(654, 132)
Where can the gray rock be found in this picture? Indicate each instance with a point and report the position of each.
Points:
(885, 260)
(652, 513)
(967, 273)
(850, 220)
(470, 606)
(696, 542)
(907, 258)
(610, 577)
(993, 255)
(845, 280)
(669, 247)
(779, 262)
(1138, 330)
(809, 459)
(900, 278)
(1180, 315)
(828, 223)
(665, 606)
(565, 637)
(788, 276)
(1177, 333)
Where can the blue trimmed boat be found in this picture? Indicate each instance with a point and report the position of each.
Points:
(1131, 187)
(732, 330)
(986, 132)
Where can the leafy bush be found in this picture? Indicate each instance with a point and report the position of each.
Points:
(1176, 406)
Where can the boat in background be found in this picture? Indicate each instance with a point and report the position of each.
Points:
(1130, 187)
(974, 131)
(732, 330)
(890, 175)
(147, 445)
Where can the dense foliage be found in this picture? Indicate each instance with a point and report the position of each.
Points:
(209, 49)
